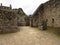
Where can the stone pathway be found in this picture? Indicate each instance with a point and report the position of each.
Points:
(29, 36)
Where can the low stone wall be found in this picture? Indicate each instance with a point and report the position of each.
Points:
(7, 26)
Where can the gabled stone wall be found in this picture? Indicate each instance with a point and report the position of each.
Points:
(52, 13)
(48, 12)
(20, 17)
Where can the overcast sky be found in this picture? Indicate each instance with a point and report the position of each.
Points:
(29, 6)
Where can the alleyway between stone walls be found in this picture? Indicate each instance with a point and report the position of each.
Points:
(29, 36)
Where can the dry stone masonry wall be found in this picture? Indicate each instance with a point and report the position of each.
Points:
(8, 21)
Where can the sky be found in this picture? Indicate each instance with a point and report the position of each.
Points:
(28, 6)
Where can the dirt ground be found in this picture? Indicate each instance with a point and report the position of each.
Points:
(30, 36)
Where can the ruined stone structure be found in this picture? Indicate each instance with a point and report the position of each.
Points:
(48, 12)
(20, 17)
(52, 13)
(35, 20)
(37, 17)
(28, 20)
(8, 20)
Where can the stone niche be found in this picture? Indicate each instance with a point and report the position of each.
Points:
(8, 21)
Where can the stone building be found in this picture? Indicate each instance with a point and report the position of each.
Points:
(20, 17)
(28, 20)
(34, 20)
(8, 20)
(48, 12)
(36, 17)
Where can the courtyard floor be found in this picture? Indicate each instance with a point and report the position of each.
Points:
(31, 36)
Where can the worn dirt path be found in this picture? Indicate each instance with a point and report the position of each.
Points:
(29, 36)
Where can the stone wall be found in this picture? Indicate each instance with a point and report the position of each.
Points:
(52, 13)
(48, 12)
(38, 16)
(35, 21)
(20, 17)
(8, 21)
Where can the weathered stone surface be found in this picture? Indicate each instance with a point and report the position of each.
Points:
(8, 20)
(20, 17)
(50, 12)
